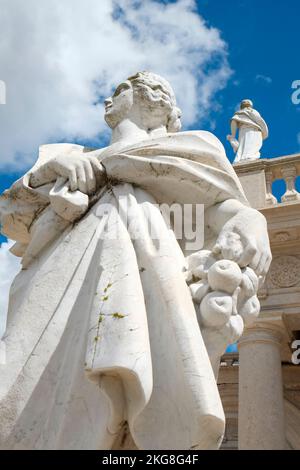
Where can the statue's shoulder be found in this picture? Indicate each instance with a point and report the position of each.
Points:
(200, 138)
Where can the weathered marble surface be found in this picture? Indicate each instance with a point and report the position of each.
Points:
(103, 331)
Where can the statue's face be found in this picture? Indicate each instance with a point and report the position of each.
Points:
(119, 104)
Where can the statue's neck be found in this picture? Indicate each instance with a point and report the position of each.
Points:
(128, 132)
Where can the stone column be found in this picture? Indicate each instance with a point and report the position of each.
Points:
(289, 174)
(261, 409)
(270, 198)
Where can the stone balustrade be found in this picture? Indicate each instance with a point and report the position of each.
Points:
(230, 359)
(258, 176)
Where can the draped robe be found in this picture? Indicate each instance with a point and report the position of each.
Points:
(102, 332)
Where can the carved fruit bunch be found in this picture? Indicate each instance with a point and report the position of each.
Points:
(224, 294)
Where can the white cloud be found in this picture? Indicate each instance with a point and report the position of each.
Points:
(58, 57)
(9, 266)
(263, 78)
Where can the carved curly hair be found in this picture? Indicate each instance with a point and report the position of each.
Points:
(157, 92)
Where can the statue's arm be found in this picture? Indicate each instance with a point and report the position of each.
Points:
(234, 128)
(23, 203)
(19, 207)
(242, 235)
(231, 137)
(225, 295)
(219, 214)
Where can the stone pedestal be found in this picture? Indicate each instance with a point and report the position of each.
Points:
(261, 407)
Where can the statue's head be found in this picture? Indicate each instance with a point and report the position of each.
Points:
(246, 104)
(148, 100)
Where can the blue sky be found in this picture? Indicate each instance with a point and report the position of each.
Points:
(261, 40)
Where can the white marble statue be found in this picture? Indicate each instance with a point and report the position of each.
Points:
(252, 132)
(114, 341)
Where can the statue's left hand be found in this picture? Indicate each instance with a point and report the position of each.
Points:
(244, 239)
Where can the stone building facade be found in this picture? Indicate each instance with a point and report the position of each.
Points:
(260, 386)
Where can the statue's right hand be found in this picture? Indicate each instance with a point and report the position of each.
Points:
(84, 173)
